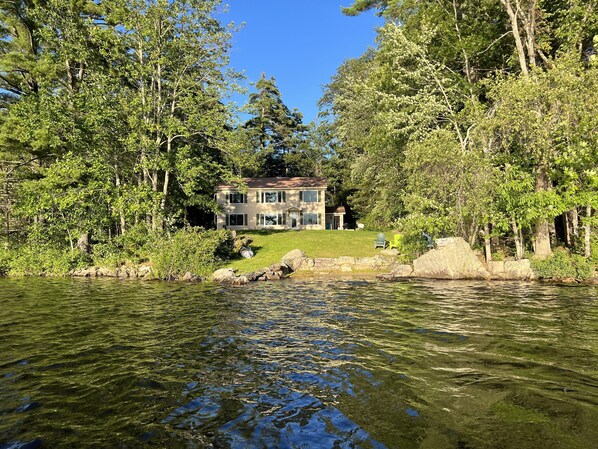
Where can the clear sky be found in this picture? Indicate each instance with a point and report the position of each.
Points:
(300, 43)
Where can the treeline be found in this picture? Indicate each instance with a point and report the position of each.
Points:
(115, 122)
(474, 118)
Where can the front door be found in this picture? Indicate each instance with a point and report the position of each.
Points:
(294, 220)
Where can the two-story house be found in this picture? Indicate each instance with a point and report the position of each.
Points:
(273, 203)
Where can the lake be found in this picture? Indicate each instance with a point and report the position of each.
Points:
(297, 364)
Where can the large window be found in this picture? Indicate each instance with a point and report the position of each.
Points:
(236, 220)
(270, 219)
(271, 197)
(312, 219)
(310, 196)
(236, 197)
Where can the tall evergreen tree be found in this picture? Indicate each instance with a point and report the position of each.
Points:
(273, 131)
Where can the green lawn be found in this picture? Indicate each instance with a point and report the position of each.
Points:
(270, 246)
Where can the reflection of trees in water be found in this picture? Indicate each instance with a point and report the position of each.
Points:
(415, 364)
(479, 365)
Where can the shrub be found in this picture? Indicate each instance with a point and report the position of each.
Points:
(411, 246)
(563, 265)
(35, 260)
(190, 250)
(5, 258)
(108, 254)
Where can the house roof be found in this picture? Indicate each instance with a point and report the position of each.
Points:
(279, 183)
(335, 209)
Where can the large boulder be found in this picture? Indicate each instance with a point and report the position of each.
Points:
(294, 259)
(453, 258)
(224, 276)
(520, 270)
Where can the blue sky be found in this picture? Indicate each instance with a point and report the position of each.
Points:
(300, 43)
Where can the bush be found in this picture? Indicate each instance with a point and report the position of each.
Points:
(411, 246)
(5, 258)
(108, 254)
(563, 265)
(190, 250)
(36, 260)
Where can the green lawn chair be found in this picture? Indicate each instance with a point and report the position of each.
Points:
(397, 241)
(380, 241)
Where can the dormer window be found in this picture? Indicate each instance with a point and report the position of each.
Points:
(310, 196)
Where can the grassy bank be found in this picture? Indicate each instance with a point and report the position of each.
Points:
(270, 246)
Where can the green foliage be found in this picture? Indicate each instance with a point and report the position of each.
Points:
(41, 260)
(273, 141)
(190, 250)
(5, 258)
(411, 245)
(563, 265)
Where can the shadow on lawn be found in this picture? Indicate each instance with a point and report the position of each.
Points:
(261, 232)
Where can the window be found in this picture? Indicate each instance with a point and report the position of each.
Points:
(236, 219)
(270, 219)
(310, 196)
(311, 219)
(271, 197)
(237, 197)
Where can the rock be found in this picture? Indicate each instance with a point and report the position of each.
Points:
(294, 259)
(452, 259)
(519, 270)
(363, 264)
(122, 273)
(401, 270)
(144, 271)
(390, 252)
(325, 264)
(187, 276)
(241, 280)
(496, 268)
(254, 276)
(224, 275)
(346, 260)
(379, 262)
(346, 268)
(280, 268)
(246, 252)
(390, 277)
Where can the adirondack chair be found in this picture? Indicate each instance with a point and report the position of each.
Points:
(380, 241)
(429, 240)
(398, 239)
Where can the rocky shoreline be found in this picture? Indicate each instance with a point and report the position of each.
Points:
(452, 259)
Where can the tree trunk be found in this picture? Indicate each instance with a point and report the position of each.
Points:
(516, 34)
(83, 243)
(542, 248)
(487, 245)
(575, 222)
(518, 239)
(123, 223)
(567, 228)
(587, 246)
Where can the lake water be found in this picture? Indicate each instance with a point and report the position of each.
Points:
(297, 364)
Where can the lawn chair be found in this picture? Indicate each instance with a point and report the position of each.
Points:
(429, 241)
(380, 241)
(396, 243)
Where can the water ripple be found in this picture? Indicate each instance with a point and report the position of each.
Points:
(298, 364)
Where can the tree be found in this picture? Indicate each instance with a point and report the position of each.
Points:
(274, 132)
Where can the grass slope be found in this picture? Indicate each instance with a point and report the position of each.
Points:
(270, 246)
